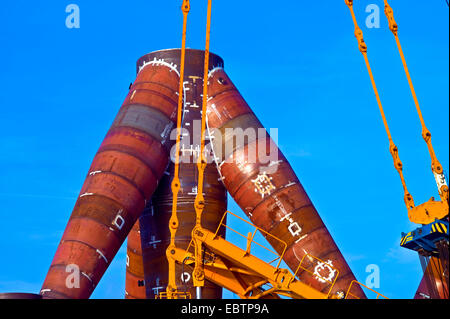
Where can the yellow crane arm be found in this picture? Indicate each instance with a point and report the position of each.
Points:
(250, 277)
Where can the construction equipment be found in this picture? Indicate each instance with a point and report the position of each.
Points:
(155, 235)
(432, 238)
(130, 165)
(122, 178)
(172, 291)
(229, 111)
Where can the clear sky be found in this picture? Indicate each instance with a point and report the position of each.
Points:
(295, 62)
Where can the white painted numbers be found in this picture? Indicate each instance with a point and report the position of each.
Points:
(73, 19)
(322, 269)
(263, 184)
(440, 180)
(185, 277)
(294, 228)
(119, 221)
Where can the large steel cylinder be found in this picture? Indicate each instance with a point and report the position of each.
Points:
(261, 181)
(123, 176)
(434, 283)
(154, 224)
(134, 279)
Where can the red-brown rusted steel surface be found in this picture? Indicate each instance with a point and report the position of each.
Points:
(434, 283)
(123, 176)
(134, 280)
(154, 223)
(261, 181)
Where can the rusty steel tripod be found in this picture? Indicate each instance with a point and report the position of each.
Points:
(170, 198)
(132, 182)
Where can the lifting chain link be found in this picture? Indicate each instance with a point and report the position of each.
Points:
(172, 289)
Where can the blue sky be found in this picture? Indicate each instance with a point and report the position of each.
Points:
(295, 62)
